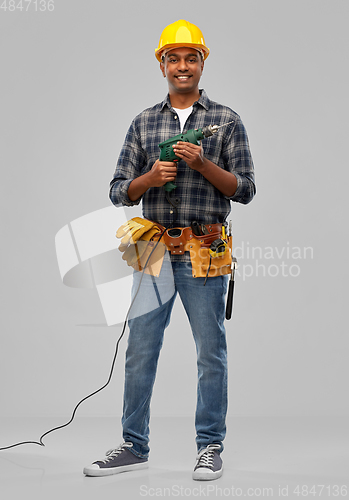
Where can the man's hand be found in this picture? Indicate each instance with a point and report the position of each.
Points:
(161, 172)
(192, 154)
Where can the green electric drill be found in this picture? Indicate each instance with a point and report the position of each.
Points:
(193, 136)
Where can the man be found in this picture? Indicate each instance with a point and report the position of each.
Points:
(208, 177)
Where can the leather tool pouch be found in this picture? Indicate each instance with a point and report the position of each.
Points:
(200, 258)
(180, 240)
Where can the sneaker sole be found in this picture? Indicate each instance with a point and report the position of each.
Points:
(206, 475)
(98, 472)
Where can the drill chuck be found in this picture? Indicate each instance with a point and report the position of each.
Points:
(212, 129)
(209, 130)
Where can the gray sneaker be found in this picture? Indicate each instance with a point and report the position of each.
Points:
(117, 460)
(209, 464)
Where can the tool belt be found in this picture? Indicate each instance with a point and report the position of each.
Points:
(177, 241)
(180, 240)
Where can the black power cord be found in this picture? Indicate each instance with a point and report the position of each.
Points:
(174, 202)
(40, 442)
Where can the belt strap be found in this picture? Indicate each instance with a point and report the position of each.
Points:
(177, 244)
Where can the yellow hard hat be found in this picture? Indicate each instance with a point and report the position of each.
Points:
(181, 34)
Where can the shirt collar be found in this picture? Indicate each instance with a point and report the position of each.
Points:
(204, 101)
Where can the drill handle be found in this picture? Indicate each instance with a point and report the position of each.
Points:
(167, 153)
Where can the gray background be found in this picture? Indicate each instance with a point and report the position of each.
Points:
(72, 80)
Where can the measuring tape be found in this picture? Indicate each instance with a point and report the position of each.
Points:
(218, 248)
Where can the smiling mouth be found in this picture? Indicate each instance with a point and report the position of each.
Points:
(183, 78)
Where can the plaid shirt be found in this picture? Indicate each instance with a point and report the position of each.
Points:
(199, 200)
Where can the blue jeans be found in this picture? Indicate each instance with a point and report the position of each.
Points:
(205, 308)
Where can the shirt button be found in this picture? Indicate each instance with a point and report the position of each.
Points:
(175, 117)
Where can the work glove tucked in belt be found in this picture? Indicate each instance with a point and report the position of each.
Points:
(136, 234)
(133, 230)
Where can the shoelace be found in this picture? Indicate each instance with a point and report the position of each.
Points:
(205, 457)
(114, 452)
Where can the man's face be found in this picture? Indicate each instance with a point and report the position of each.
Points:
(183, 68)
